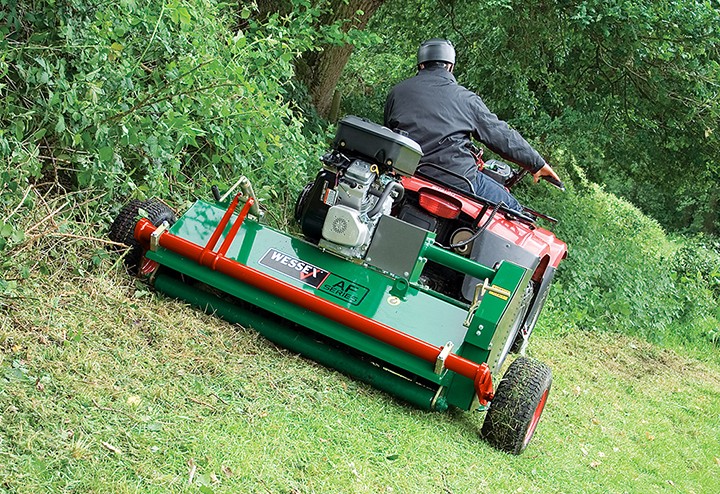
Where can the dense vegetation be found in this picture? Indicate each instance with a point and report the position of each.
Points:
(629, 88)
(106, 387)
(130, 99)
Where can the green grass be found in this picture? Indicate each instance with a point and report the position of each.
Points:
(106, 387)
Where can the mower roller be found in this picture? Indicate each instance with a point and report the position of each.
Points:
(417, 288)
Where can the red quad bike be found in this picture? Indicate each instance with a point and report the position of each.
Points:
(418, 288)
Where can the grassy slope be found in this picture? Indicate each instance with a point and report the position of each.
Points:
(105, 387)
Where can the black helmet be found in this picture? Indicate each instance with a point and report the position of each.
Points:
(436, 50)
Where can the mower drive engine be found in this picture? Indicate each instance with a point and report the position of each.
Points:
(341, 209)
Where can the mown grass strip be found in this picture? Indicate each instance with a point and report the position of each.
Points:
(106, 387)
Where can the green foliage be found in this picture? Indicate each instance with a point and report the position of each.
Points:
(696, 266)
(105, 386)
(365, 85)
(134, 99)
(614, 277)
(698, 260)
(621, 92)
(623, 273)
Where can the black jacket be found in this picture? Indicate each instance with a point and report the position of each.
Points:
(441, 116)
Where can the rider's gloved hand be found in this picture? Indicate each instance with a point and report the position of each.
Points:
(549, 175)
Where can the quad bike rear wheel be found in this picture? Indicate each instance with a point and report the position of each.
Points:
(123, 228)
(517, 406)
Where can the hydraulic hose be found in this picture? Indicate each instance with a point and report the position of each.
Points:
(480, 229)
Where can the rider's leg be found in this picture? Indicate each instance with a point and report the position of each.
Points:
(489, 189)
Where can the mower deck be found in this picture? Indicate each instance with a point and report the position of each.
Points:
(439, 346)
(412, 287)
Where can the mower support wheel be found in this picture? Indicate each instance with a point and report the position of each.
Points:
(157, 212)
(122, 229)
(517, 406)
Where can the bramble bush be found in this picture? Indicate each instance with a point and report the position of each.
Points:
(112, 101)
(103, 102)
(696, 266)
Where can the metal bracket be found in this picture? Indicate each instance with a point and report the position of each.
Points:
(480, 291)
(526, 340)
(232, 189)
(475, 403)
(246, 194)
(155, 236)
(477, 296)
(495, 290)
(440, 361)
(400, 288)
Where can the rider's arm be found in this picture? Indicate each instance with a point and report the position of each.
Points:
(501, 139)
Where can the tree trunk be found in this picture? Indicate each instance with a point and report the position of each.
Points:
(321, 70)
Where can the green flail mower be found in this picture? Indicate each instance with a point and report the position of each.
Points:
(419, 289)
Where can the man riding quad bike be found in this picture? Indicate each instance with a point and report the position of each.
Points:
(463, 223)
(418, 288)
(441, 116)
(375, 202)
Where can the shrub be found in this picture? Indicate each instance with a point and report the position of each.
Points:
(155, 98)
(623, 273)
(696, 265)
